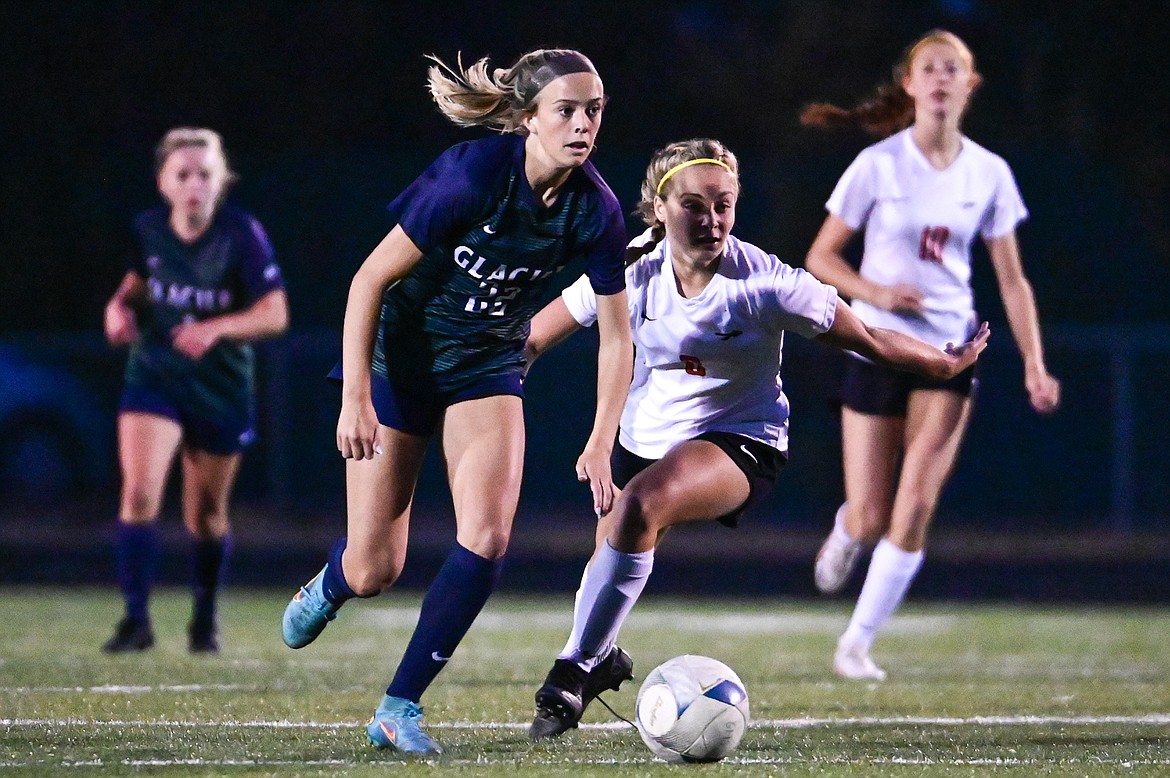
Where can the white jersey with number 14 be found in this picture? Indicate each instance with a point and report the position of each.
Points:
(919, 223)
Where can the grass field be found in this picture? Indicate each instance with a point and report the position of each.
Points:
(973, 690)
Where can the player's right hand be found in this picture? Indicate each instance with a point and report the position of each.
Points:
(966, 354)
(357, 430)
(120, 324)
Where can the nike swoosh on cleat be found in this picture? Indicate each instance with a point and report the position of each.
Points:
(391, 735)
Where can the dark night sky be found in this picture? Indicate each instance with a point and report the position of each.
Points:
(325, 114)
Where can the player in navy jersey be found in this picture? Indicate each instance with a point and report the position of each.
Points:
(202, 283)
(433, 342)
(705, 429)
(921, 195)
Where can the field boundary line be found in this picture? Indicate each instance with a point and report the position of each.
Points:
(795, 723)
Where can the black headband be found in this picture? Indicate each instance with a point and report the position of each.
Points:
(554, 68)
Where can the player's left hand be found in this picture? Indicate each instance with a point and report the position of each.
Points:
(193, 339)
(1043, 391)
(593, 467)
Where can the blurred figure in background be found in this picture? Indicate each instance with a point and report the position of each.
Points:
(202, 284)
(921, 195)
(704, 433)
(433, 343)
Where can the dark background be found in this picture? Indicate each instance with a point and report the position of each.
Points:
(325, 114)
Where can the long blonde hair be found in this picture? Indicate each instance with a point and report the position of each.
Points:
(499, 97)
(890, 109)
(662, 162)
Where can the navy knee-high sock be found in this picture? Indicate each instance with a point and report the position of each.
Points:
(209, 561)
(137, 560)
(455, 598)
(333, 582)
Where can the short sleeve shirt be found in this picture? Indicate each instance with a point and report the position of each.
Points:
(490, 251)
(919, 225)
(230, 267)
(712, 362)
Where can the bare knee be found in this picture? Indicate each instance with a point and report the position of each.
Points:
(208, 524)
(369, 573)
(139, 505)
(487, 542)
(206, 516)
(639, 518)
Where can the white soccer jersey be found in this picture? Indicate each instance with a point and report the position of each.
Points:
(919, 224)
(710, 363)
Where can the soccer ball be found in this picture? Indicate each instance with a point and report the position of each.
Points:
(692, 709)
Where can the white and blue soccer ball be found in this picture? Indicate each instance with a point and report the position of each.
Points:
(692, 709)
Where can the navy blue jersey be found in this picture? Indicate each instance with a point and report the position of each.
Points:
(226, 270)
(490, 250)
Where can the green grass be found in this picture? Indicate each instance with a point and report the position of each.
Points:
(973, 690)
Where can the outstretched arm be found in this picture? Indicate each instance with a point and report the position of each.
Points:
(900, 351)
(1020, 306)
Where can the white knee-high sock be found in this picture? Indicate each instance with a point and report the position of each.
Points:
(891, 571)
(610, 585)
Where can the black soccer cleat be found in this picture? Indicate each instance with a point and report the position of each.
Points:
(568, 690)
(202, 637)
(130, 635)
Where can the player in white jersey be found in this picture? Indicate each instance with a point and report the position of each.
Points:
(921, 195)
(704, 432)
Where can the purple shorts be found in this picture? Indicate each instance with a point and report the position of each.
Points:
(222, 435)
(417, 413)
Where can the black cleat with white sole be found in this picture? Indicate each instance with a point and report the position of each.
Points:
(568, 690)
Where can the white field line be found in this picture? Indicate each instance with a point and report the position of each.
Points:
(487, 762)
(130, 689)
(738, 623)
(774, 724)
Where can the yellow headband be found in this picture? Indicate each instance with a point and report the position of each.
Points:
(688, 163)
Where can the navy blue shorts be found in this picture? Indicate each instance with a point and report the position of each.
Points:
(417, 413)
(877, 390)
(223, 435)
(759, 462)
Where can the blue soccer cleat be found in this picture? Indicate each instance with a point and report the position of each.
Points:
(307, 614)
(397, 724)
